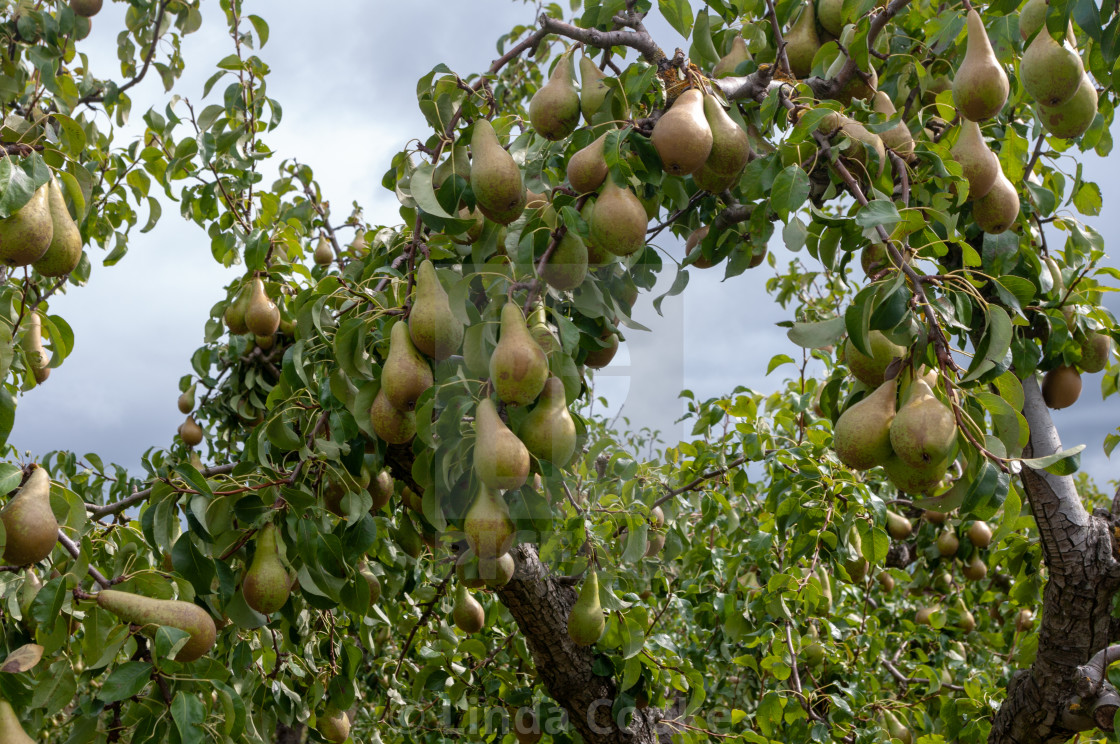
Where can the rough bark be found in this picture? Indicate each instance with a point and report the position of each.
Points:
(541, 604)
(1058, 696)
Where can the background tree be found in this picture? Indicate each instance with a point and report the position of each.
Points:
(402, 531)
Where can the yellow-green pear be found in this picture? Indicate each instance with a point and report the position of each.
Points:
(587, 169)
(866, 141)
(11, 731)
(898, 137)
(434, 329)
(980, 534)
(500, 459)
(618, 222)
(802, 42)
(26, 234)
(495, 178)
(682, 136)
(467, 612)
(997, 210)
(518, 366)
(566, 268)
(496, 572)
(145, 611)
(334, 725)
(586, 622)
(30, 527)
(601, 357)
(266, 584)
(980, 86)
(1031, 17)
(262, 317)
(980, 165)
(381, 489)
(1061, 387)
(924, 429)
(1074, 117)
(65, 249)
(729, 62)
(898, 526)
(856, 567)
(487, 525)
(323, 254)
(555, 107)
(1096, 348)
(914, 479)
(389, 423)
(895, 729)
(235, 312)
(186, 400)
(466, 570)
(407, 538)
(870, 370)
(862, 438)
(1050, 71)
(406, 374)
(372, 581)
(829, 16)
(593, 90)
(190, 432)
(975, 569)
(38, 360)
(549, 433)
(731, 150)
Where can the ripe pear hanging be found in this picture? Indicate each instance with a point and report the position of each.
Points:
(405, 375)
(467, 612)
(980, 165)
(731, 150)
(872, 370)
(30, 527)
(65, 249)
(862, 438)
(487, 526)
(389, 423)
(554, 109)
(324, 254)
(682, 136)
(997, 210)
(802, 42)
(1061, 387)
(914, 479)
(566, 268)
(145, 611)
(266, 584)
(262, 317)
(829, 15)
(549, 433)
(11, 732)
(587, 169)
(500, 459)
(1096, 348)
(618, 221)
(235, 312)
(190, 432)
(518, 366)
(1074, 117)
(495, 177)
(593, 90)
(334, 725)
(898, 137)
(980, 86)
(186, 400)
(729, 62)
(1050, 72)
(26, 234)
(924, 429)
(38, 360)
(434, 329)
(586, 622)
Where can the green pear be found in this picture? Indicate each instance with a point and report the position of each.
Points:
(186, 400)
(1031, 17)
(1050, 71)
(467, 612)
(86, 8)
(1074, 117)
(829, 13)
(38, 360)
(235, 312)
(856, 567)
(334, 725)
(518, 366)
(682, 136)
(381, 490)
(596, 256)
(467, 570)
(500, 459)
(802, 42)
(266, 584)
(145, 611)
(980, 165)
(457, 163)
(898, 137)
(496, 572)
(870, 370)
(65, 249)
(407, 538)
(549, 433)
(729, 62)
(980, 86)
(406, 374)
(26, 234)
(371, 581)
(602, 356)
(487, 525)
(975, 569)
(866, 141)
(323, 254)
(997, 210)
(895, 729)
(1061, 387)
(566, 268)
(587, 169)
(262, 317)
(1096, 348)
(898, 526)
(434, 329)
(30, 527)
(593, 89)
(11, 732)
(980, 534)
(555, 107)
(190, 432)
(914, 479)
(389, 423)
(586, 622)
(731, 150)
(924, 430)
(495, 178)
(862, 438)
(618, 221)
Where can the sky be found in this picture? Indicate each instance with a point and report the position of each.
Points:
(347, 88)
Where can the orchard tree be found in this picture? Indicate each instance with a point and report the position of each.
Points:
(390, 514)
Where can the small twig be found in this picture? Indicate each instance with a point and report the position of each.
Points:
(72, 549)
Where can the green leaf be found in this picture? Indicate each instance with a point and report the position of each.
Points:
(878, 212)
(679, 15)
(994, 346)
(127, 679)
(790, 190)
(1065, 462)
(817, 335)
(261, 28)
(188, 714)
(1088, 199)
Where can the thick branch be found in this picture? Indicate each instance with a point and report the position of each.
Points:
(97, 512)
(639, 40)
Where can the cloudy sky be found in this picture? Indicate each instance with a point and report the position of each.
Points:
(347, 85)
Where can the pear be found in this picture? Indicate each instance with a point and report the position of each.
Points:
(566, 268)
(870, 370)
(587, 169)
(145, 611)
(802, 42)
(518, 367)
(596, 256)
(358, 245)
(542, 332)
(38, 360)
(389, 423)
(190, 432)
(65, 249)
(467, 570)
(405, 375)
(829, 16)
(381, 490)
(549, 433)
(898, 137)
(976, 569)
(26, 234)
(86, 8)
(554, 108)
(495, 177)
(500, 459)
(980, 534)
(186, 400)
(862, 437)
(618, 222)
(372, 582)
(980, 86)
(866, 140)
(682, 136)
(730, 61)
(323, 254)
(895, 729)
(856, 567)
(334, 725)
(898, 526)
(434, 329)
(601, 357)
(1050, 72)
(1096, 348)
(886, 581)
(997, 210)
(914, 479)
(1061, 387)
(457, 163)
(487, 525)
(467, 612)
(266, 584)
(730, 150)
(407, 538)
(922, 616)
(593, 91)
(586, 622)
(496, 572)
(1031, 17)
(235, 312)
(692, 248)
(11, 732)
(29, 524)
(262, 317)
(1024, 620)
(924, 430)
(980, 165)
(1074, 117)
(948, 544)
